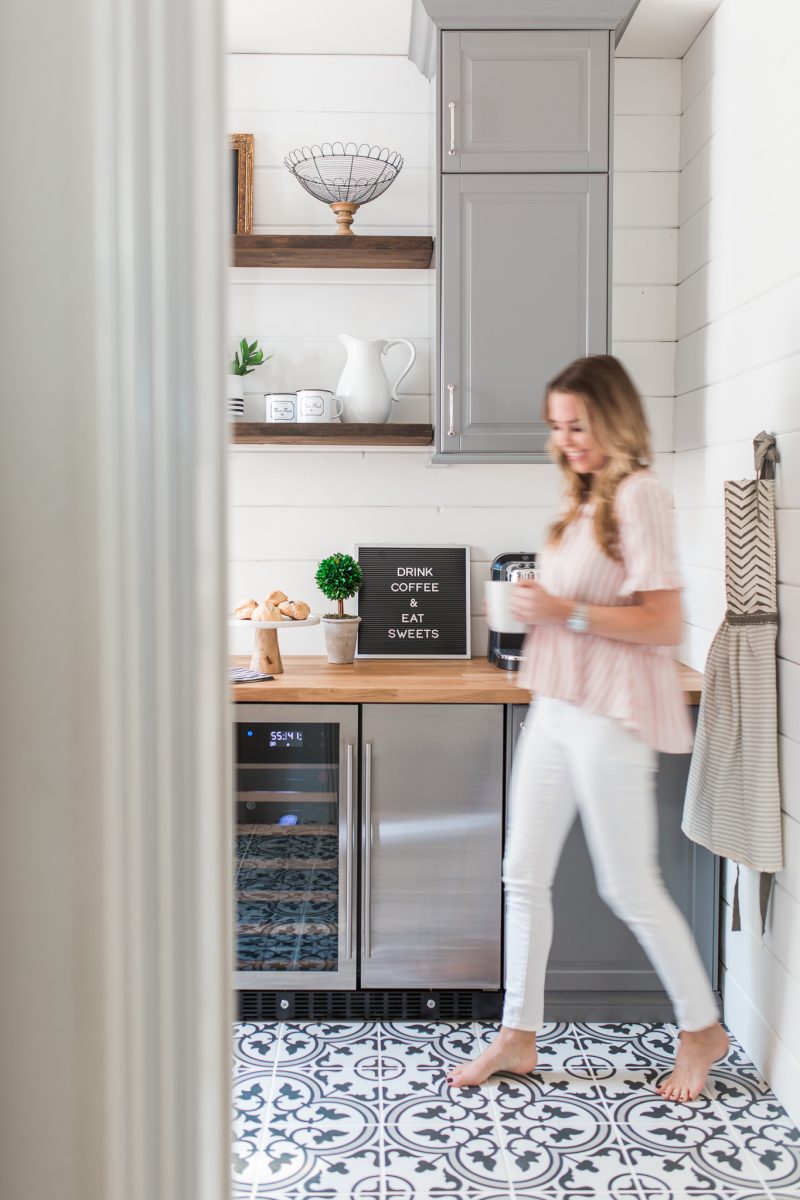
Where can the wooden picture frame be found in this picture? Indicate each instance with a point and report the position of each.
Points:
(242, 182)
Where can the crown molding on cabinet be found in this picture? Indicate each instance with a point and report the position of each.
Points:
(517, 14)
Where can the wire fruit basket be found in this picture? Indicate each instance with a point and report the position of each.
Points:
(345, 176)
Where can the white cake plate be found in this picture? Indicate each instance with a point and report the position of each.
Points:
(266, 657)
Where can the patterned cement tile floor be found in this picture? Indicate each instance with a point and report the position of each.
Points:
(361, 1110)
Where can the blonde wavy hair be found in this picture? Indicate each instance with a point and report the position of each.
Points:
(612, 410)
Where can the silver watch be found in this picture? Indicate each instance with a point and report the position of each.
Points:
(578, 619)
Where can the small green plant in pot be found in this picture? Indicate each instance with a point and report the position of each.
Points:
(338, 578)
(246, 358)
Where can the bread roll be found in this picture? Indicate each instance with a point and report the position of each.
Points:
(276, 598)
(266, 612)
(296, 610)
(244, 609)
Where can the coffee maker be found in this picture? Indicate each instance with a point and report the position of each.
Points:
(505, 649)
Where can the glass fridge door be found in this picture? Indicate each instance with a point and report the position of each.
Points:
(294, 869)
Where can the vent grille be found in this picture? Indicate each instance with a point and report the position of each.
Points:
(369, 1006)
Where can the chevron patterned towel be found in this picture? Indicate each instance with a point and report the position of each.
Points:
(732, 804)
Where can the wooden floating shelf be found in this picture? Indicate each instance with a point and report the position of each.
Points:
(332, 250)
(254, 433)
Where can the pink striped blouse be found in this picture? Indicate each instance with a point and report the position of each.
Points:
(635, 684)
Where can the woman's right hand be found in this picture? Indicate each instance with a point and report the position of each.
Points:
(522, 601)
(533, 605)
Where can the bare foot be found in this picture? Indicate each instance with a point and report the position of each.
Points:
(696, 1052)
(512, 1050)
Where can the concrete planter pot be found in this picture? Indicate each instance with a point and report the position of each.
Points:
(341, 634)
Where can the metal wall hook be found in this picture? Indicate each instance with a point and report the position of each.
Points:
(765, 454)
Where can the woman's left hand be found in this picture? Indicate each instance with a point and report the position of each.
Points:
(533, 605)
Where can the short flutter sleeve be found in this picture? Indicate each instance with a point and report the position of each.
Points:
(646, 536)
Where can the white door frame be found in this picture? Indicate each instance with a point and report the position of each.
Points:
(115, 821)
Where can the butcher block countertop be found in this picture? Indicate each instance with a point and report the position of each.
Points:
(313, 680)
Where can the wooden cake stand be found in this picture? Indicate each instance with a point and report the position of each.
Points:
(266, 657)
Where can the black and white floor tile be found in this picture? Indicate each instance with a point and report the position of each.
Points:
(362, 1111)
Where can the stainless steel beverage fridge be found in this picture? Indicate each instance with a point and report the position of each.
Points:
(295, 855)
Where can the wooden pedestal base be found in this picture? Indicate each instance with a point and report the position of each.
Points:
(266, 657)
(344, 211)
(266, 653)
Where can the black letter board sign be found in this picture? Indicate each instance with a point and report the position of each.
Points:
(414, 602)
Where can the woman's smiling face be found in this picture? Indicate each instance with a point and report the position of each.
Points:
(571, 434)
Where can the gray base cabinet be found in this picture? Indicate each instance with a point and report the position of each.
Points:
(524, 282)
(431, 838)
(597, 970)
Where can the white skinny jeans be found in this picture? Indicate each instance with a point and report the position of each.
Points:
(569, 760)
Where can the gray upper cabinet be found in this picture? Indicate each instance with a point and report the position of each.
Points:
(523, 217)
(524, 286)
(524, 100)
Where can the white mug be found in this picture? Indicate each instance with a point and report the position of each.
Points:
(317, 404)
(498, 605)
(281, 406)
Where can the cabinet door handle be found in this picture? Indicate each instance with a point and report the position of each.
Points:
(366, 948)
(451, 387)
(348, 899)
(452, 107)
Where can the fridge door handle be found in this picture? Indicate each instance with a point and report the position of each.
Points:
(366, 948)
(350, 851)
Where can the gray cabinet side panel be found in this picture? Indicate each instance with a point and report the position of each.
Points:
(449, 313)
(450, 93)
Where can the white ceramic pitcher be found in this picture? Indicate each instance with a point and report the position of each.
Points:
(363, 387)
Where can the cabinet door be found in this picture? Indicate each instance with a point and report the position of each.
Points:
(524, 291)
(431, 845)
(525, 100)
(593, 951)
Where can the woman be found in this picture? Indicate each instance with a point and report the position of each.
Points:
(604, 612)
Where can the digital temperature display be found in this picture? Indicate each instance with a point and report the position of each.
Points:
(262, 743)
(285, 737)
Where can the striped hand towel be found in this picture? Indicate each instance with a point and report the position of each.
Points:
(733, 804)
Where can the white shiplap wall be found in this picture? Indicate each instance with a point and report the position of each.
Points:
(738, 371)
(289, 506)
